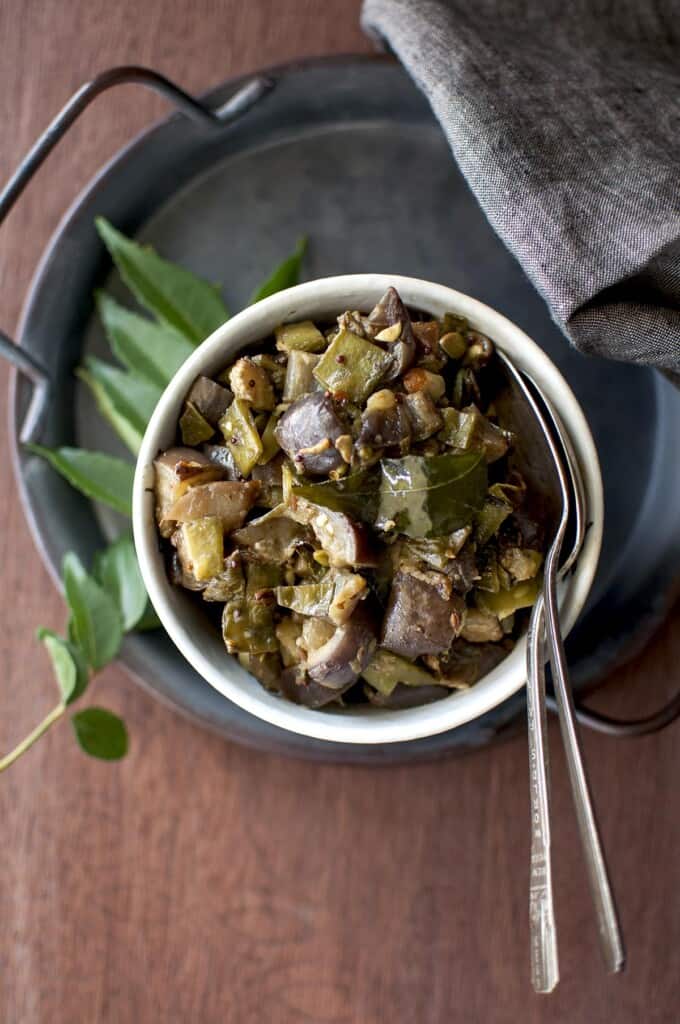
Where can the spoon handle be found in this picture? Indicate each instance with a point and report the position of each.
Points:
(611, 941)
(542, 931)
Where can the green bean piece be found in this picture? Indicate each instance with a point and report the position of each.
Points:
(386, 670)
(351, 367)
(241, 436)
(270, 446)
(304, 336)
(204, 546)
(505, 602)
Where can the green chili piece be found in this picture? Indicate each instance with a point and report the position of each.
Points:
(351, 366)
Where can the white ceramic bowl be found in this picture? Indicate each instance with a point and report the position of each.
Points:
(200, 642)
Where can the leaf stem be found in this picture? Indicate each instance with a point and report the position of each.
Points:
(29, 740)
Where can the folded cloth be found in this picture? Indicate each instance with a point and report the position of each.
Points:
(565, 120)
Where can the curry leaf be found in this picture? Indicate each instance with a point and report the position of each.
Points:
(175, 295)
(132, 398)
(285, 276)
(103, 477)
(97, 625)
(152, 351)
(100, 733)
(431, 496)
(69, 665)
(129, 435)
(117, 570)
(149, 619)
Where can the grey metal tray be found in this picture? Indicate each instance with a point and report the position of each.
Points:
(346, 151)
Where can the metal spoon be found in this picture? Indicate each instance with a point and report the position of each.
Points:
(541, 463)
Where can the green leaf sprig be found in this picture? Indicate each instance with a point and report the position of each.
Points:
(111, 600)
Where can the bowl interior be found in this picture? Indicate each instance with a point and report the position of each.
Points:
(191, 630)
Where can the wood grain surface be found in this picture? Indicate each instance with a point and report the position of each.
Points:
(199, 882)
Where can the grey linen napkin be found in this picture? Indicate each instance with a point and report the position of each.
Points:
(565, 119)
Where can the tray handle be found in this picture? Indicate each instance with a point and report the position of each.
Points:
(213, 118)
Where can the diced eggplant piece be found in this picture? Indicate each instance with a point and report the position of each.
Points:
(289, 635)
(252, 384)
(402, 697)
(427, 334)
(307, 432)
(463, 571)
(389, 312)
(425, 418)
(347, 543)
(315, 633)
(179, 575)
(385, 427)
(342, 659)
(481, 627)
(210, 399)
(226, 499)
(300, 688)
(273, 537)
(270, 478)
(418, 619)
(300, 378)
(175, 471)
(465, 663)
(220, 455)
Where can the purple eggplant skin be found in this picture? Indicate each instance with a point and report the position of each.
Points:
(309, 422)
(295, 684)
(462, 570)
(210, 398)
(388, 311)
(339, 662)
(386, 430)
(418, 620)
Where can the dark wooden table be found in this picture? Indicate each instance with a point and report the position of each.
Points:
(198, 882)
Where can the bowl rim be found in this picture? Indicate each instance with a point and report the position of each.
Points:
(326, 297)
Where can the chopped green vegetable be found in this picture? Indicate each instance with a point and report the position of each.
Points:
(304, 336)
(505, 602)
(386, 670)
(204, 546)
(490, 518)
(194, 428)
(299, 375)
(351, 366)
(427, 497)
(270, 446)
(241, 436)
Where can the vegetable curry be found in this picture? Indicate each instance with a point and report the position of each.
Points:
(345, 494)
